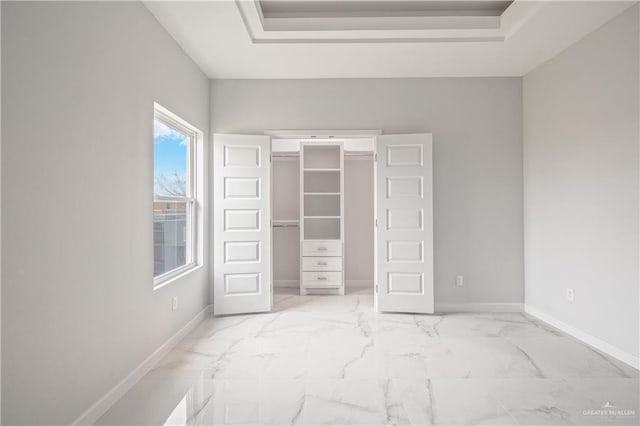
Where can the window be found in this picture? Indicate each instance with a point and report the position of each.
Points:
(174, 201)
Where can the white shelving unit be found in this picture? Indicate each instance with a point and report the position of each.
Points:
(321, 217)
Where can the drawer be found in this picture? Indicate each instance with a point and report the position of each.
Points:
(322, 263)
(322, 279)
(322, 248)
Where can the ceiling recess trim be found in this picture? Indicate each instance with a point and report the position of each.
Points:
(381, 29)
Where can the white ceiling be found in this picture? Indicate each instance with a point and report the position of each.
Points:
(221, 41)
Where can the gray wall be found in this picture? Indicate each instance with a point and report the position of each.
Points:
(285, 199)
(78, 309)
(358, 221)
(581, 184)
(477, 130)
(0, 213)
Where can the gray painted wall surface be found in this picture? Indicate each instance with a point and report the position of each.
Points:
(359, 226)
(78, 309)
(581, 184)
(477, 132)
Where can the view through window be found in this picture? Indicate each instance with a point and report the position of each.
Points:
(173, 205)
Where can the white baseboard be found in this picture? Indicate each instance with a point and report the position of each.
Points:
(286, 284)
(93, 413)
(587, 338)
(349, 283)
(478, 307)
(359, 284)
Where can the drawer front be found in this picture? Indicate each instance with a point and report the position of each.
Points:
(322, 263)
(322, 279)
(321, 248)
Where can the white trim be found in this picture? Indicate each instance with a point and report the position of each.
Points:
(166, 114)
(395, 29)
(478, 307)
(194, 227)
(349, 283)
(586, 338)
(296, 22)
(174, 274)
(95, 411)
(310, 134)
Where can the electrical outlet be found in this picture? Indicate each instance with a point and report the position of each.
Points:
(459, 280)
(570, 295)
(174, 303)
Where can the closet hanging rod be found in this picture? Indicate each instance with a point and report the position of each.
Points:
(358, 154)
(288, 225)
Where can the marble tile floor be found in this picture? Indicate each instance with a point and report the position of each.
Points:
(324, 360)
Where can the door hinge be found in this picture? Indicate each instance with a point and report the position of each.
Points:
(376, 288)
(376, 223)
(375, 157)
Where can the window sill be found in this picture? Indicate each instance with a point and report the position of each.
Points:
(171, 276)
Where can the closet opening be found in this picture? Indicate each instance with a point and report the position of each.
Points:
(323, 216)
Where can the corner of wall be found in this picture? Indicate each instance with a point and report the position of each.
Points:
(210, 198)
(550, 201)
(0, 212)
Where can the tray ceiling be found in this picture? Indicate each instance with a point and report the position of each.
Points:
(364, 38)
(311, 8)
(352, 21)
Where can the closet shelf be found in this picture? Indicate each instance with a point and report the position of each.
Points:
(285, 223)
(321, 170)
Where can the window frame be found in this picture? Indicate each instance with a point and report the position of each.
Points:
(190, 199)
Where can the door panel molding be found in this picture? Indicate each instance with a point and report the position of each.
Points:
(241, 224)
(404, 234)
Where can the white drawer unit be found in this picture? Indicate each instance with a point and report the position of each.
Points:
(322, 279)
(321, 248)
(322, 263)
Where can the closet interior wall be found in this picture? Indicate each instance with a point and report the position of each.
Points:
(359, 219)
(358, 227)
(285, 199)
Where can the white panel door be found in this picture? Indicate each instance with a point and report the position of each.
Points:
(242, 224)
(404, 235)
